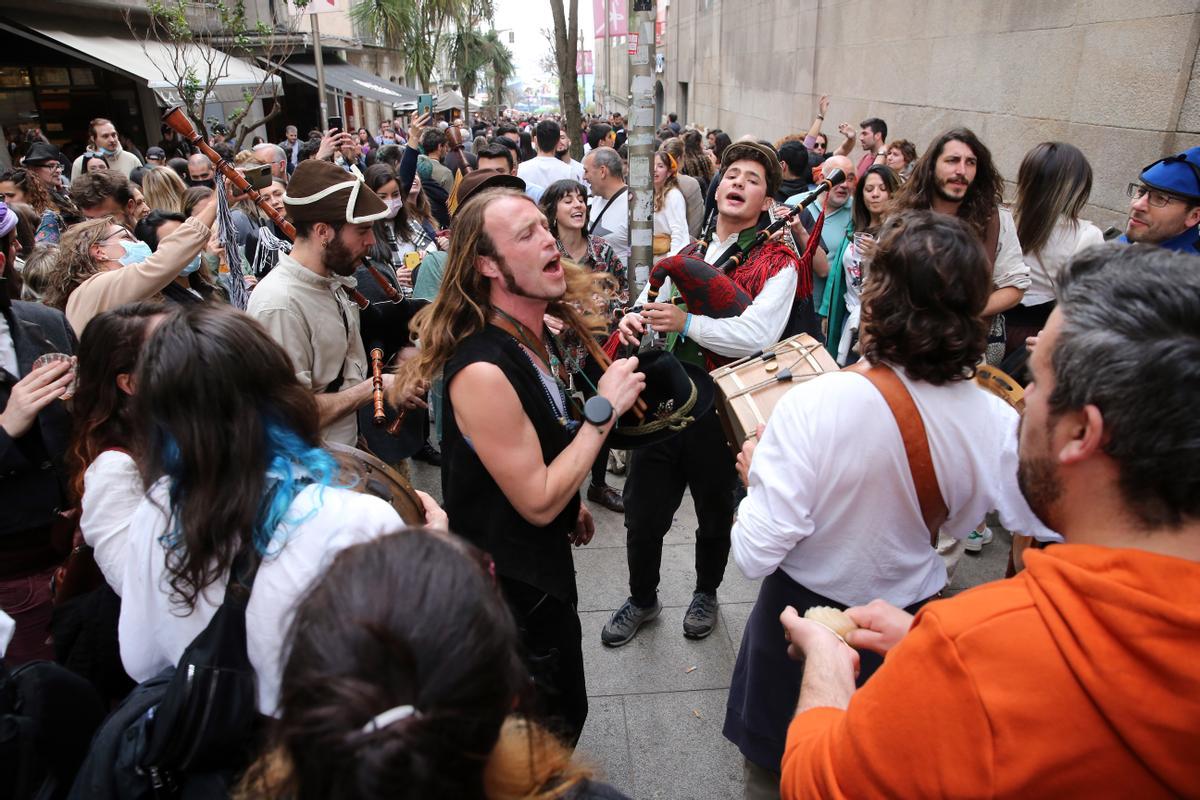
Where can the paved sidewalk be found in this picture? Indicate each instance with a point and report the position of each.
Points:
(657, 704)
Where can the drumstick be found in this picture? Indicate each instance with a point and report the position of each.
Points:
(601, 358)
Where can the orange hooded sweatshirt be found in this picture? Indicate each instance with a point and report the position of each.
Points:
(1080, 677)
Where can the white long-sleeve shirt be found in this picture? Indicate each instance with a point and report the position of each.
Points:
(1067, 239)
(756, 328)
(154, 630)
(672, 219)
(112, 492)
(1010, 268)
(832, 501)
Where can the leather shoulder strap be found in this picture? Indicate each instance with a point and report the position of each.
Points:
(916, 443)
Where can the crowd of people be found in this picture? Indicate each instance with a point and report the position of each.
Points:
(194, 343)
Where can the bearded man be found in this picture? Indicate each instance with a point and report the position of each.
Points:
(305, 301)
(513, 458)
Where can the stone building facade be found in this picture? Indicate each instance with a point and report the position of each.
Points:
(1120, 80)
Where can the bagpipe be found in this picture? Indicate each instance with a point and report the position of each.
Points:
(709, 289)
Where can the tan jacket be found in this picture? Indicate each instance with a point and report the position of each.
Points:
(115, 287)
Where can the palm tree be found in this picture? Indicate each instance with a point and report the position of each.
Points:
(500, 66)
(414, 27)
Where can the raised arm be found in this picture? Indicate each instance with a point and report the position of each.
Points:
(810, 138)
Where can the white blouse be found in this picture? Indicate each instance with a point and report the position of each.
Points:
(1067, 239)
(154, 629)
(112, 491)
(672, 219)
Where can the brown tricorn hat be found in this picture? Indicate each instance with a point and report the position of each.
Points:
(321, 191)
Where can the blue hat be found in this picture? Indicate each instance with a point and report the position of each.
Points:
(1178, 174)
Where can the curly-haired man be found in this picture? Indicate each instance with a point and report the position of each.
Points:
(834, 516)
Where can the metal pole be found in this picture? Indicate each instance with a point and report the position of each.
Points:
(641, 139)
(320, 64)
(607, 58)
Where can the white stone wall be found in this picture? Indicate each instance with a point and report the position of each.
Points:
(1119, 79)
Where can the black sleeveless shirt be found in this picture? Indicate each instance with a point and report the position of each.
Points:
(478, 509)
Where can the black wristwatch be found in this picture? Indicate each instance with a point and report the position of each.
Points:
(598, 411)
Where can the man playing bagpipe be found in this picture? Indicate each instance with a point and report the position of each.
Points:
(728, 315)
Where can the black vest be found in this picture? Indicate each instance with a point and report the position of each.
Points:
(478, 509)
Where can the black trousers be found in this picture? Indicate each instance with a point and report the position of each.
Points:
(552, 649)
(696, 459)
(600, 467)
(765, 686)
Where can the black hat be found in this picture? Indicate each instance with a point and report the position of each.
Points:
(676, 395)
(41, 152)
(156, 152)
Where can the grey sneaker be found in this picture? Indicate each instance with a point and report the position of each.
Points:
(625, 621)
(701, 616)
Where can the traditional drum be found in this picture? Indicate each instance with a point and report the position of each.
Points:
(364, 473)
(747, 390)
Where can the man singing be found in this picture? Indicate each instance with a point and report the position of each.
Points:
(512, 457)
(698, 458)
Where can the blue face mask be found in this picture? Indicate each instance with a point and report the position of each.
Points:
(104, 151)
(192, 266)
(135, 252)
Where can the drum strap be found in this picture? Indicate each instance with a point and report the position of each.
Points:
(916, 443)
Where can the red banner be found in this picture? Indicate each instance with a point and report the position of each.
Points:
(617, 23)
(583, 62)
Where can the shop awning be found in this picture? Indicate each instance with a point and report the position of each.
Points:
(352, 80)
(154, 62)
(447, 101)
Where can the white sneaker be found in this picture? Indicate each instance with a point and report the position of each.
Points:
(977, 539)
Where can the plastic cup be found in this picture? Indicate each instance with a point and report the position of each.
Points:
(861, 238)
(50, 358)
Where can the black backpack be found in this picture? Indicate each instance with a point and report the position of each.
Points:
(192, 729)
(47, 716)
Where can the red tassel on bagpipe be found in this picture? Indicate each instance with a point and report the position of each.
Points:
(804, 270)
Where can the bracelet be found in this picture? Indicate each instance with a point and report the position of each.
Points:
(687, 323)
(820, 116)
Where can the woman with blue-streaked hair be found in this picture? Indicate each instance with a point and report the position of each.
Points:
(231, 456)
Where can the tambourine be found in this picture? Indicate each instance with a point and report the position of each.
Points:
(1002, 385)
(364, 473)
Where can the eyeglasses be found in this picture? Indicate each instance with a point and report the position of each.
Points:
(1137, 191)
(121, 236)
(52, 167)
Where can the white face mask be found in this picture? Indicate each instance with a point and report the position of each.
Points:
(394, 205)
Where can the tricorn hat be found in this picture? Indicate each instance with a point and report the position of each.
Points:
(321, 191)
(676, 395)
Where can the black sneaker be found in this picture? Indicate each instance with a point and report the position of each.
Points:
(429, 455)
(623, 625)
(701, 616)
